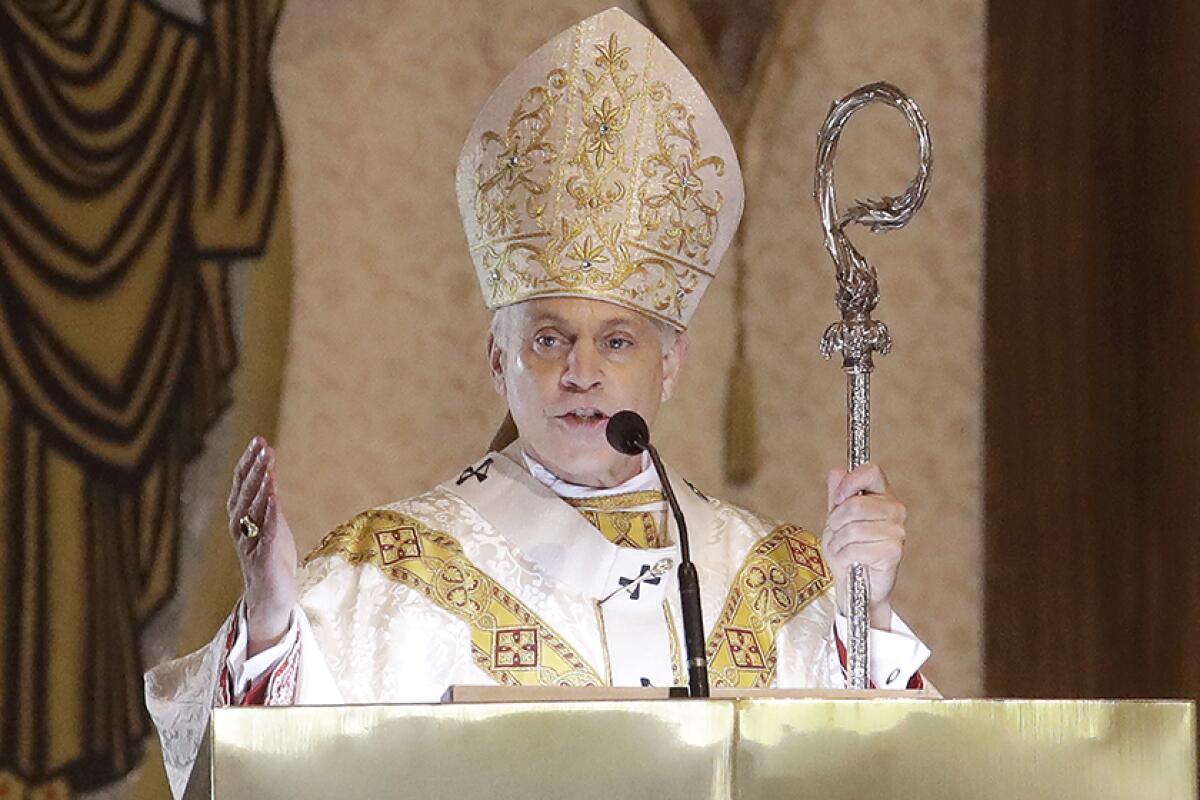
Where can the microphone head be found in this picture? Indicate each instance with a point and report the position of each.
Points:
(627, 433)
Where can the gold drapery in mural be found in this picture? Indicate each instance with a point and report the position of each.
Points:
(139, 156)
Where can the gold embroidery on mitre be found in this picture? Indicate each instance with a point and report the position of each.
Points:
(599, 168)
(782, 574)
(508, 640)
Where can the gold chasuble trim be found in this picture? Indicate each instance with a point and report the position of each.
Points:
(508, 640)
(636, 529)
(611, 515)
(780, 576)
(617, 502)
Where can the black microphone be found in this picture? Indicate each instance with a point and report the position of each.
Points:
(627, 433)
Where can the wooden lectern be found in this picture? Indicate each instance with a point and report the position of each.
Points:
(757, 747)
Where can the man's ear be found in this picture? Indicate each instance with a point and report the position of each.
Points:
(673, 361)
(495, 355)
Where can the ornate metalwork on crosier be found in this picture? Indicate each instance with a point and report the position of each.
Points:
(858, 284)
(857, 336)
(857, 661)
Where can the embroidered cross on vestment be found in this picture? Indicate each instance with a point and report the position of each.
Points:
(639, 580)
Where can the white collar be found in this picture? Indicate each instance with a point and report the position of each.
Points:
(646, 479)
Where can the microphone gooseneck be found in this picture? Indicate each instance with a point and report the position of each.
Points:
(628, 433)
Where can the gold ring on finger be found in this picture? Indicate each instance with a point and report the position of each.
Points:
(248, 527)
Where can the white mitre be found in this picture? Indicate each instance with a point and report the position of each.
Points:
(599, 168)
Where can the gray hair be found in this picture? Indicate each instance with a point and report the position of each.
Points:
(506, 322)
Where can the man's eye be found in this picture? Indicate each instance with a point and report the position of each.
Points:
(545, 340)
(619, 343)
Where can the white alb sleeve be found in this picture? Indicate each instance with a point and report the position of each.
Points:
(895, 655)
(243, 671)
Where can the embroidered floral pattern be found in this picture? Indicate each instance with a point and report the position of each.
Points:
(508, 640)
(598, 184)
(773, 585)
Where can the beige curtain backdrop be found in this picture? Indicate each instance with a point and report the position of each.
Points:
(386, 391)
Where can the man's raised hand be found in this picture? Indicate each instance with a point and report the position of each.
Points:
(265, 546)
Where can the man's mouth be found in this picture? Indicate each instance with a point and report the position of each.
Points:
(586, 417)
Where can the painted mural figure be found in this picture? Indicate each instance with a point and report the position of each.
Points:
(599, 191)
(140, 157)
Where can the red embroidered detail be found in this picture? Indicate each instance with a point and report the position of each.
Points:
(807, 555)
(281, 687)
(744, 648)
(276, 688)
(398, 544)
(256, 695)
(516, 648)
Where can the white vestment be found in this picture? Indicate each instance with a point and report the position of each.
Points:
(495, 578)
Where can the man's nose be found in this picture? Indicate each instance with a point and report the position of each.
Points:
(584, 370)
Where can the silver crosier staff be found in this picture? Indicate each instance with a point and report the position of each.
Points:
(857, 336)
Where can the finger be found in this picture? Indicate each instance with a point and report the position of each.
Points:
(244, 465)
(271, 514)
(832, 481)
(258, 506)
(867, 508)
(855, 527)
(246, 462)
(254, 543)
(836, 543)
(875, 553)
(250, 486)
(866, 478)
(841, 547)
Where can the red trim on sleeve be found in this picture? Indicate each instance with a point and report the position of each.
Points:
(281, 683)
(256, 695)
(277, 687)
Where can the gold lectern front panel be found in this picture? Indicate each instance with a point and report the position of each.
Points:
(968, 749)
(748, 749)
(503, 751)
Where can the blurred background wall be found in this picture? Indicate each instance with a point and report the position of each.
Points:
(142, 206)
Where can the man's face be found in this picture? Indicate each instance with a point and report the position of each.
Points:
(567, 364)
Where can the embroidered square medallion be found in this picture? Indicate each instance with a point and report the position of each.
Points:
(744, 648)
(806, 555)
(515, 648)
(398, 544)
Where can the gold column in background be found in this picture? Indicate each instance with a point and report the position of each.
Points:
(140, 160)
